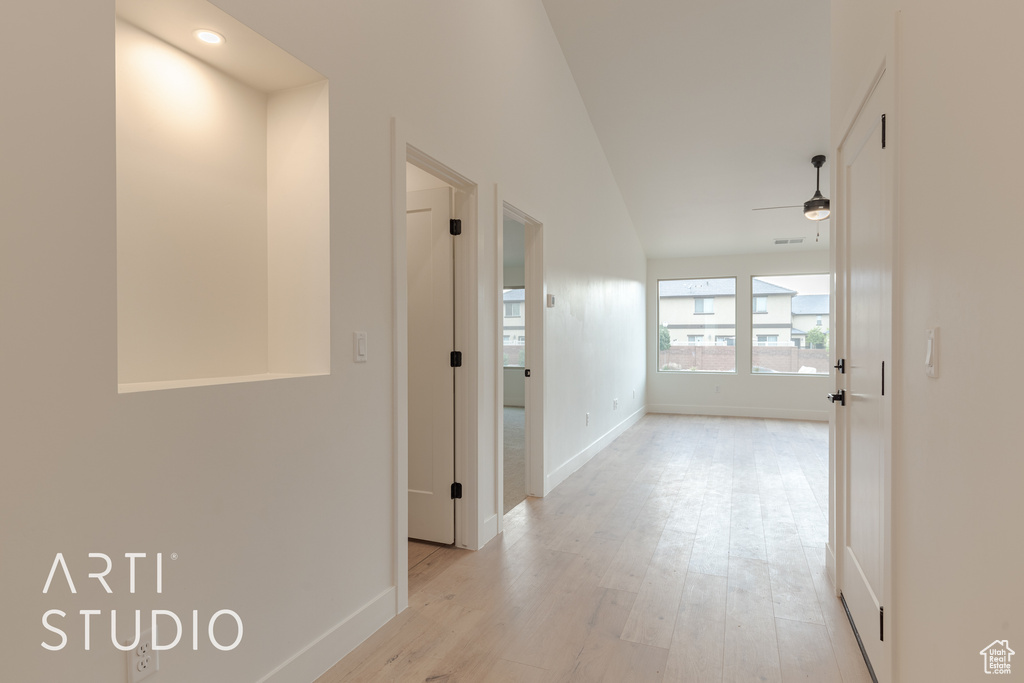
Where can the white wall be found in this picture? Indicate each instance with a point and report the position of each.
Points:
(277, 496)
(192, 216)
(515, 387)
(957, 544)
(298, 224)
(741, 393)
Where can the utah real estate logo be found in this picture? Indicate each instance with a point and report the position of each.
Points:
(997, 657)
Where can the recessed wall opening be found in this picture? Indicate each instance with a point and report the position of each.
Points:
(223, 208)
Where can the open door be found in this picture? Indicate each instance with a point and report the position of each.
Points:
(431, 373)
(865, 186)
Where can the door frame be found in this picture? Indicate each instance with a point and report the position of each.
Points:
(839, 434)
(466, 340)
(535, 299)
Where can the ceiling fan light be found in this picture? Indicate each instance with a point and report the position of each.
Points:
(817, 207)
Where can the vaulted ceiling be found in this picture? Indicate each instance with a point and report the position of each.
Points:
(706, 109)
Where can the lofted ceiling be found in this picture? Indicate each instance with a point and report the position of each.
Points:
(706, 109)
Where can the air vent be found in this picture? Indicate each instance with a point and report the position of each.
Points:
(789, 240)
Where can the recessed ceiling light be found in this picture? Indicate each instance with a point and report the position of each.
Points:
(208, 36)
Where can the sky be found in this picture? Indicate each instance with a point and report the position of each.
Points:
(802, 284)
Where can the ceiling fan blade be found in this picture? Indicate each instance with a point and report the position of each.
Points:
(769, 208)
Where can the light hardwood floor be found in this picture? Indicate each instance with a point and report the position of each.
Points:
(691, 549)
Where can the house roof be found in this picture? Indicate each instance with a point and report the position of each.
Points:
(715, 287)
(810, 304)
(514, 295)
(762, 287)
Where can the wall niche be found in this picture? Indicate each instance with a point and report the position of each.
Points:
(223, 202)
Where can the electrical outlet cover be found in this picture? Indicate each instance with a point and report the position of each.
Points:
(143, 661)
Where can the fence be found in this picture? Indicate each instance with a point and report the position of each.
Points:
(723, 359)
(514, 354)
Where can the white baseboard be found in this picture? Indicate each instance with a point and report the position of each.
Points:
(324, 652)
(488, 530)
(830, 564)
(583, 457)
(739, 411)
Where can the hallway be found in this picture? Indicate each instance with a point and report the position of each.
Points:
(691, 549)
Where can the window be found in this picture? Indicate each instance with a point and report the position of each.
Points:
(514, 334)
(789, 324)
(689, 338)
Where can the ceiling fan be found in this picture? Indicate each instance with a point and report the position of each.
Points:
(817, 207)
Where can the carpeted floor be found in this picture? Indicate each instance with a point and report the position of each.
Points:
(515, 457)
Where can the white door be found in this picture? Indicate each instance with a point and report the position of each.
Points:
(865, 184)
(431, 376)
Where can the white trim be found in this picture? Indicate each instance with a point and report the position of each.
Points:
(536, 467)
(489, 527)
(830, 564)
(400, 376)
(735, 411)
(583, 457)
(327, 650)
(499, 375)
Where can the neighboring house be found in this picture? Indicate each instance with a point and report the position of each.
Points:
(809, 311)
(514, 317)
(772, 316)
(699, 312)
(703, 312)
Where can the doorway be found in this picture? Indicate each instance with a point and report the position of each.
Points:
(439, 384)
(521, 358)
(514, 343)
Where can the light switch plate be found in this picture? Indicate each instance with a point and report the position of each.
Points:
(931, 354)
(359, 347)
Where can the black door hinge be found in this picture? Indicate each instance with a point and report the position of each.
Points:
(841, 366)
(881, 623)
(456, 490)
(456, 359)
(883, 131)
(455, 225)
(527, 372)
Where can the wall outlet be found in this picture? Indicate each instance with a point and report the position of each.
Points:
(588, 419)
(615, 404)
(143, 661)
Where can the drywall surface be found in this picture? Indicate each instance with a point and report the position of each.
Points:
(741, 393)
(192, 216)
(276, 498)
(956, 464)
(515, 387)
(298, 222)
